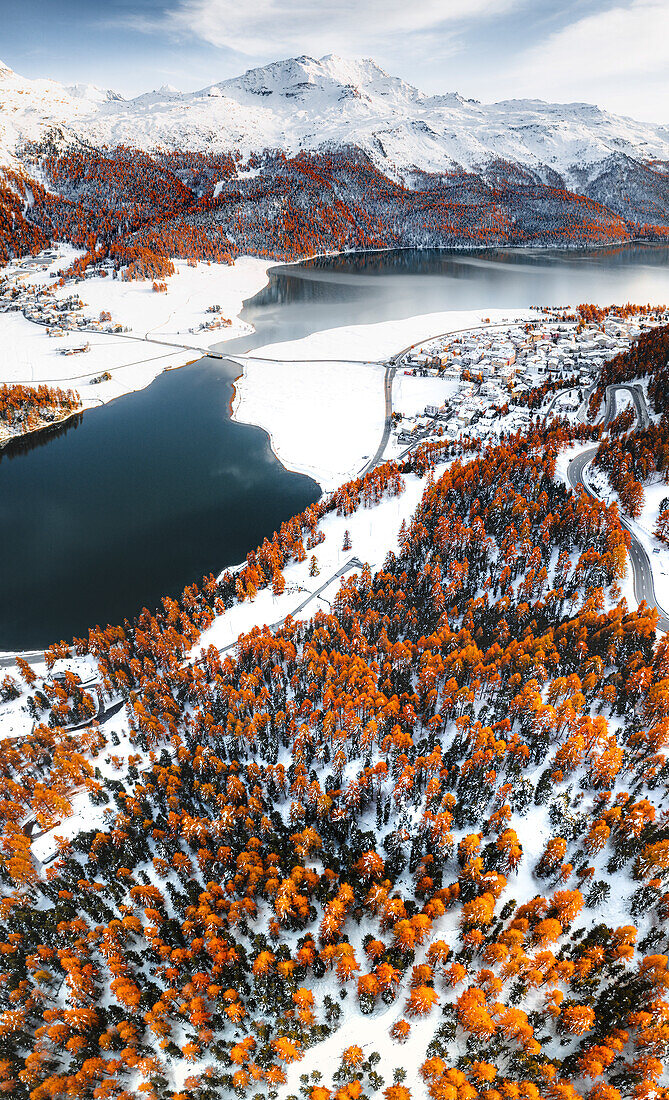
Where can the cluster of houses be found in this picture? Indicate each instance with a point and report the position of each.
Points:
(493, 365)
(40, 305)
(211, 326)
(81, 350)
(526, 351)
(216, 322)
(61, 315)
(472, 410)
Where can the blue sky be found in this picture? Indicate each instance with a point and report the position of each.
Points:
(613, 54)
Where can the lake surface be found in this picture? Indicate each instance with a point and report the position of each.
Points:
(147, 494)
(383, 286)
(136, 500)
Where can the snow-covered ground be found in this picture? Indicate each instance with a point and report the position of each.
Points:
(325, 419)
(321, 398)
(412, 394)
(366, 343)
(373, 533)
(29, 355)
(322, 418)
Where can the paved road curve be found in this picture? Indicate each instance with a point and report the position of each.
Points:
(642, 571)
(636, 393)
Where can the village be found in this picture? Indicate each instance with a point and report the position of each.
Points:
(478, 378)
(53, 314)
(39, 303)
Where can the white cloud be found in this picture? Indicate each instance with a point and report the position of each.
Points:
(619, 56)
(278, 27)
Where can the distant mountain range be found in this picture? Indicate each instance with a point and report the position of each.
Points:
(327, 105)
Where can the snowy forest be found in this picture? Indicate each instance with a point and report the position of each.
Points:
(141, 208)
(415, 845)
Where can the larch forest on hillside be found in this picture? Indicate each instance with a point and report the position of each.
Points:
(341, 814)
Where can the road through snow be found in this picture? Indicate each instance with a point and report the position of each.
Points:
(642, 570)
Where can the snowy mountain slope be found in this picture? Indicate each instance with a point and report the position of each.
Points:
(302, 103)
(30, 108)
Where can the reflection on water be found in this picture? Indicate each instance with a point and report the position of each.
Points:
(24, 443)
(364, 287)
(149, 493)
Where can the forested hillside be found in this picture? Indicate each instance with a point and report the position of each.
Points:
(26, 408)
(308, 154)
(129, 205)
(414, 846)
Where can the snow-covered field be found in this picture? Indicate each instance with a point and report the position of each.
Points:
(321, 398)
(366, 343)
(325, 419)
(322, 418)
(29, 355)
(411, 394)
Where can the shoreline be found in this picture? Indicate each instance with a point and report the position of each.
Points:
(8, 441)
(286, 397)
(167, 325)
(233, 407)
(576, 248)
(144, 374)
(390, 330)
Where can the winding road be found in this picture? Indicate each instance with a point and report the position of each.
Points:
(638, 397)
(642, 570)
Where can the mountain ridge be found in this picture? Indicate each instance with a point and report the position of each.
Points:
(304, 103)
(306, 155)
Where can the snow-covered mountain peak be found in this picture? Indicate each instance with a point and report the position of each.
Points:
(294, 76)
(307, 103)
(91, 93)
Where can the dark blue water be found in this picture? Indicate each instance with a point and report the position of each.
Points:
(136, 500)
(156, 489)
